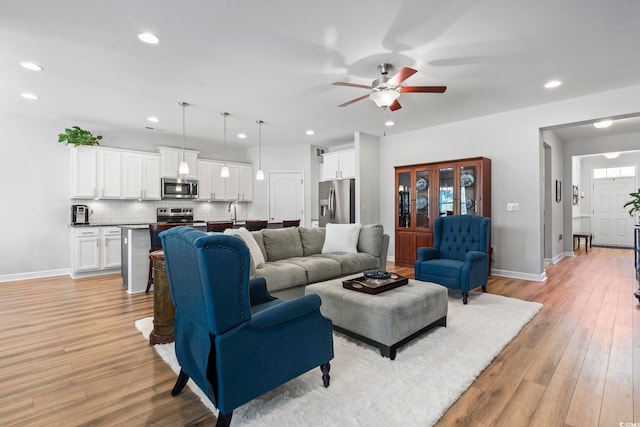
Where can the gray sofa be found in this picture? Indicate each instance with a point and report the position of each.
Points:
(294, 259)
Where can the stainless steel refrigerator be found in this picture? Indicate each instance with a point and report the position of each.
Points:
(337, 202)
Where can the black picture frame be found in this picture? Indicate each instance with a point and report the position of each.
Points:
(575, 195)
(558, 190)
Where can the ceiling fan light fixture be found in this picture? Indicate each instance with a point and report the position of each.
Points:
(385, 97)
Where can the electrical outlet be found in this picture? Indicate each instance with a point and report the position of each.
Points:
(560, 237)
(513, 207)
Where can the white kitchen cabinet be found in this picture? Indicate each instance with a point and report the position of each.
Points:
(141, 176)
(95, 249)
(84, 172)
(170, 161)
(205, 180)
(246, 183)
(110, 247)
(238, 186)
(86, 249)
(338, 165)
(109, 174)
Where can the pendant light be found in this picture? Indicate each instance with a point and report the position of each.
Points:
(260, 173)
(224, 172)
(183, 169)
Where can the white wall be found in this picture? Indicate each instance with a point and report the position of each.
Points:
(511, 140)
(34, 172)
(556, 235)
(281, 158)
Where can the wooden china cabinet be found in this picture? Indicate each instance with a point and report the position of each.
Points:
(429, 190)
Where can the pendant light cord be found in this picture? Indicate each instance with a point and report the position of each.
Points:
(260, 144)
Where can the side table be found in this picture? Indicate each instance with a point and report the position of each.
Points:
(163, 310)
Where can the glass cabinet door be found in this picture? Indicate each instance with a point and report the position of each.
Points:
(468, 190)
(446, 191)
(404, 199)
(423, 198)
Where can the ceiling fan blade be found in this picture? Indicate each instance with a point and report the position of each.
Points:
(354, 100)
(402, 75)
(395, 106)
(352, 85)
(430, 89)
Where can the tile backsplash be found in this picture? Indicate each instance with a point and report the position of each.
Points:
(134, 212)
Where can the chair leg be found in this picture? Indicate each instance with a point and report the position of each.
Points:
(150, 279)
(484, 288)
(325, 373)
(224, 419)
(180, 383)
(465, 297)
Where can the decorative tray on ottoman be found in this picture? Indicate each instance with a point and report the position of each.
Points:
(374, 282)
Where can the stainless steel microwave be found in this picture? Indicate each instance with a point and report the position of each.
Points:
(173, 188)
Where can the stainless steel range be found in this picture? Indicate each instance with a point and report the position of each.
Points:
(174, 215)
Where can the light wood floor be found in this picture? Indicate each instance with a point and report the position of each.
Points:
(70, 354)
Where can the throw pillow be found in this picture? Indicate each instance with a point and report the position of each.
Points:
(254, 249)
(341, 238)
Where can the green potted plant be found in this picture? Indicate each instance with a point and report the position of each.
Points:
(634, 203)
(78, 136)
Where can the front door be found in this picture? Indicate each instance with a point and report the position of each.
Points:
(612, 224)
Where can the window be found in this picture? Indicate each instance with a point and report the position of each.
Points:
(614, 172)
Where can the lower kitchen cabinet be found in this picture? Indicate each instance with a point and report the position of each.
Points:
(95, 250)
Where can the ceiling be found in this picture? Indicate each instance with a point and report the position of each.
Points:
(276, 61)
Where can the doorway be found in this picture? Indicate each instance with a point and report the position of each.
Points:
(286, 196)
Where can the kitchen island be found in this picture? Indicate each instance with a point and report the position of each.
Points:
(135, 244)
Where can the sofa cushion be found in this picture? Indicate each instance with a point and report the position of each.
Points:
(318, 268)
(257, 235)
(354, 263)
(312, 240)
(256, 254)
(370, 239)
(282, 243)
(341, 238)
(282, 275)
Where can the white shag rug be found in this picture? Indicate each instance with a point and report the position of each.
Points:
(426, 378)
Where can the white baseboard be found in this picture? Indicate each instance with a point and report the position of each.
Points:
(33, 275)
(94, 273)
(519, 275)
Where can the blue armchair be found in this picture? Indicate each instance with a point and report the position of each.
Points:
(231, 337)
(460, 257)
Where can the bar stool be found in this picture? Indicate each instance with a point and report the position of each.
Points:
(156, 245)
(290, 223)
(219, 226)
(256, 225)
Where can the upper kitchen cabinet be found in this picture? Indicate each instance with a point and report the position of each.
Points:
(237, 187)
(338, 165)
(109, 173)
(84, 173)
(171, 158)
(141, 178)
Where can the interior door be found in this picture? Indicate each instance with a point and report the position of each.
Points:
(612, 224)
(286, 196)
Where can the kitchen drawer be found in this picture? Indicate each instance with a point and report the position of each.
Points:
(86, 231)
(111, 231)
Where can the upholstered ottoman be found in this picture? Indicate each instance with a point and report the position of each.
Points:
(386, 320)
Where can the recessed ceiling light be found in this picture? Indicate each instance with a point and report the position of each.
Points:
(310, 132)
(31, 66)
(389, 123)
(552, 83)
(153, 119)
(242, 135)
(29, 96)
(148, 38)
(603, 124)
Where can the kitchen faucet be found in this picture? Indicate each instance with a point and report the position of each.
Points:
(235, 213)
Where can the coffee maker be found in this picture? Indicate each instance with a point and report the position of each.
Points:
(79, 214)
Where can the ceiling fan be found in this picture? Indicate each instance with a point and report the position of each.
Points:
(386, 90)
